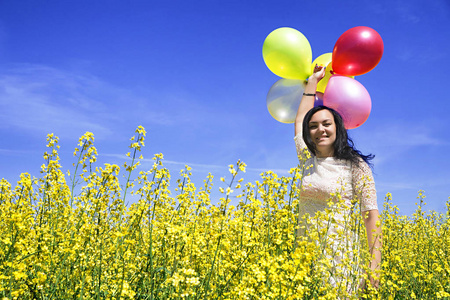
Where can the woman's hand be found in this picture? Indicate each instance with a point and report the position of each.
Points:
(364, 285)
(318, 74)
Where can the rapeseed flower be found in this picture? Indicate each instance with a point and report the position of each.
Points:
(80, 239)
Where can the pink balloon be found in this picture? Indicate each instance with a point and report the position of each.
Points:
(349, 98)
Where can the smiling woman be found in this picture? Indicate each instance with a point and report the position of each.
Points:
(322, 131)
(337, 179)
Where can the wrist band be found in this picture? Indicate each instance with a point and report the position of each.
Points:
(304, 94)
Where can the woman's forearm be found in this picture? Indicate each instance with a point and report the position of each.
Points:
(373, 229)
(307, 102)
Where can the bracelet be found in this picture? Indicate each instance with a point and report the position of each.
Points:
(304, 94)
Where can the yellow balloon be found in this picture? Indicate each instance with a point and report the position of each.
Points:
(287, 53)
(321, 86)
(324, 81)
(322, 60)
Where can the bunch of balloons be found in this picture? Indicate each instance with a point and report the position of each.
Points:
(287, 53)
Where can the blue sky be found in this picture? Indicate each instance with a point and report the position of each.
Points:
(192, 73)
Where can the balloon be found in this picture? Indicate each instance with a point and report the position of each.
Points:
(322, 60)
(284, 98)
(350, 98)
(287, 53)
(357, 51)
(324, 81)
(319, 99)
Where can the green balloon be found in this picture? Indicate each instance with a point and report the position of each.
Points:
(287, 53)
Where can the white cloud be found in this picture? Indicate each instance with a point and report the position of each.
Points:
(38, 98)
(42, 99)
(405, 12)
(146, 162)
(389, 140)
(393, 186)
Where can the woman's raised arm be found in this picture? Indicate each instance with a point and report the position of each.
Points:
(307, 102)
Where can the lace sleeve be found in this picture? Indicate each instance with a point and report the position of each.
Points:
(302, 150)
(364, 186)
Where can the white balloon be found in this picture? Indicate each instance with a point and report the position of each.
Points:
(284, 98)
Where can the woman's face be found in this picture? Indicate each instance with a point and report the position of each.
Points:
(323, 132)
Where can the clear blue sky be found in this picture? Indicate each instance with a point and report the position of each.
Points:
(192, 73)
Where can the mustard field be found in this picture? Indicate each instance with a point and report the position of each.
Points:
(70, 235)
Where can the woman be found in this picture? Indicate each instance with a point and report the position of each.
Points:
(334, 168)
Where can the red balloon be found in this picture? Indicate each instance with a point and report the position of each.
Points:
(357, 51)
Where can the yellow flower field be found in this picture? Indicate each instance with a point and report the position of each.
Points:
(71, 236)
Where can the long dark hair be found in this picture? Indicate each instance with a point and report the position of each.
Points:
(344, 147)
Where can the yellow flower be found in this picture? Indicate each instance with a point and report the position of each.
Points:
(181, 242)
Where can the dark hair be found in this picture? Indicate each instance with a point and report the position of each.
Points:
(343, 146)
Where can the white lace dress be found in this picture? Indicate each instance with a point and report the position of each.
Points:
(324, 182)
